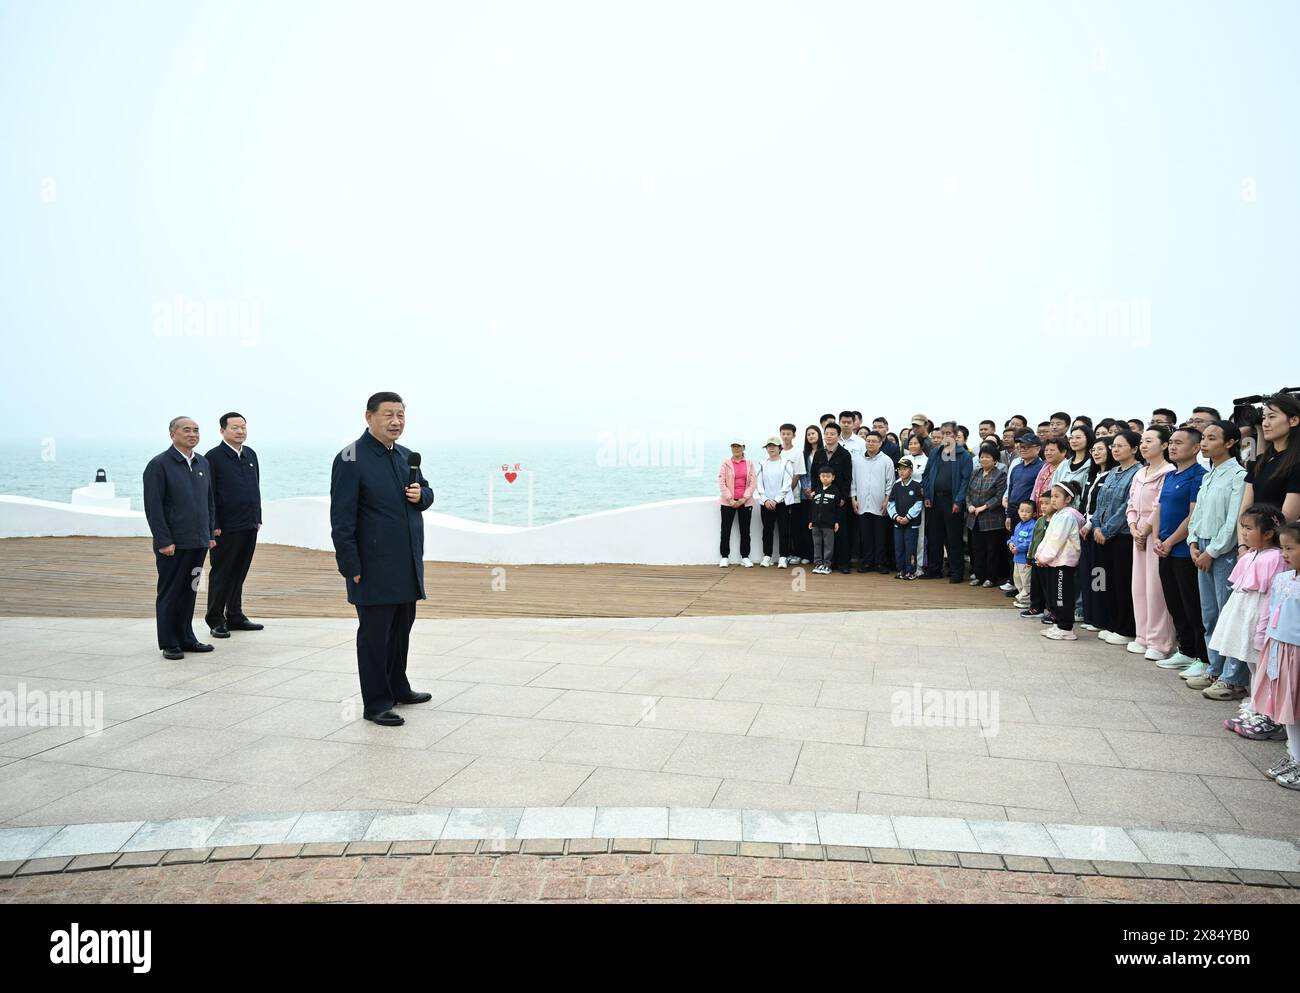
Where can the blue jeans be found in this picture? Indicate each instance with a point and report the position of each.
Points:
(1214, 594)
(905, 540)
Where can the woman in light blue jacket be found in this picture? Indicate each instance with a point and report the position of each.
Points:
(1212, 540)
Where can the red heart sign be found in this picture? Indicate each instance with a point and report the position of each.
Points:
(511, 477)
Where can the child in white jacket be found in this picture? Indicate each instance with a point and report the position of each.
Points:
(775, 478)
(1058, 553)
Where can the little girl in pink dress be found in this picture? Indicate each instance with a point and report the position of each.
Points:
(1276, 686)
(1235, 631)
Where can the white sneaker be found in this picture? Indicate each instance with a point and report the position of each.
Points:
(1197, 668)
(987, 584)
(723, 563)
(1056, 634)
(767, 562)
(1091, 627)
(1182, 661)
(1137, 648)
(1102, 634)
(1114, 638)
(1007, 587)
(747, 564)
(974, 580)
(780, 563)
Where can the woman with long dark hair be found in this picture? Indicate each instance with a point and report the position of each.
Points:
(1155, 627)
(1091, 576)
(1274, 476)
(1110, 534)
(812, 444)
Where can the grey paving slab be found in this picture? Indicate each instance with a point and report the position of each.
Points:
(253, 829)
(180, 832)
(939, 833)
(465, 823)
(863, 830)
(616, 747)
(705, 825)
(408, 825)
(17, 844)
(747, 795)
(491, 781)
(1014, 838)
(88, 839)
(1258, 853)
(1078, 841)
(1179, 848)
(721, 716)
(785, 826)
(735, 756)
(607, 787)
(331, 825)
(557, 822)
(631, 822)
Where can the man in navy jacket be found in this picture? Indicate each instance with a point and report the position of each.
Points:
(178, 505)
(238, 498)
(947, 475)
(379, 545)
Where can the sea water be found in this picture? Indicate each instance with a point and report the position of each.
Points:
(568, 478)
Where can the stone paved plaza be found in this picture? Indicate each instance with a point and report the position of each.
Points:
(813, 713)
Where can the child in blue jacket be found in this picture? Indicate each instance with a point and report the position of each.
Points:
(906, 501)
(1021, 536)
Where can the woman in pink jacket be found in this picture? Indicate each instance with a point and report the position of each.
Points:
(736, 481)
(1155, 628)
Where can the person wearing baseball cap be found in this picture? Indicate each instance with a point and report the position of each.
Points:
(737, 478)
(775, 480)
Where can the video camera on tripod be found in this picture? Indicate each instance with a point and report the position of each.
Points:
(1249, 411)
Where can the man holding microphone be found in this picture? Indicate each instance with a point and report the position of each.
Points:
(377, 494)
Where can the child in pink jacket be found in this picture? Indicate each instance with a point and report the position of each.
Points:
(1155, 628)
(1058, 554)
(737, 478)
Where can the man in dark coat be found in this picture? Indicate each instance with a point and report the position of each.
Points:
(375, 509)
(837, 457)
(178, 505)
(237, 493)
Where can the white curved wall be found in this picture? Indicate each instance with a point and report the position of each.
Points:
(672, 532)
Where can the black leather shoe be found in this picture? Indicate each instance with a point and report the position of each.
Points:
(956, 579)
(846, 570)
(198, 646)
(388, 719)
(863, 568)
(219, 632)
(244, 625)
(416, 698)
(175, 654)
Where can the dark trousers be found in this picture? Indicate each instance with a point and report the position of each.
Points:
(178, 586)
(1039, 581)
(383, 633)
(1183, 598)
(800, 533)
(1117, 559)
(871, 538)
(777, 518)
(729, 514)
(846, 538)
(1093, 581)
(944, 533)
(823, 543)
(231, 557)
(989, 555)
(906, 540)
(1062, 596)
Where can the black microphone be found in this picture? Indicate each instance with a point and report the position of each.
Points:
(414, 462)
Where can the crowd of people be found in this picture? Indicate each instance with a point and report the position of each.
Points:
(1178, 541)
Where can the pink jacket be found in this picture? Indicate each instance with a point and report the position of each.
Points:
(727, 481)
(1144, 495)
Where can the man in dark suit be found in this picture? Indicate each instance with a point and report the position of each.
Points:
(837, 457)
(378, 537)
(238, 499)
(947, 476)
(178, 506)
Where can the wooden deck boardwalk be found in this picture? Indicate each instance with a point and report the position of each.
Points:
(115, 577)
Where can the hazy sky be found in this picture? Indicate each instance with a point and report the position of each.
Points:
(547, 218)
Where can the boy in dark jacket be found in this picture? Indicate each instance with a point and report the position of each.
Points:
(906, 501)
(1037, 574)
(824, 520)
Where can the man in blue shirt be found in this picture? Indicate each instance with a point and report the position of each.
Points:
(1177, 571)
(1021, 475)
